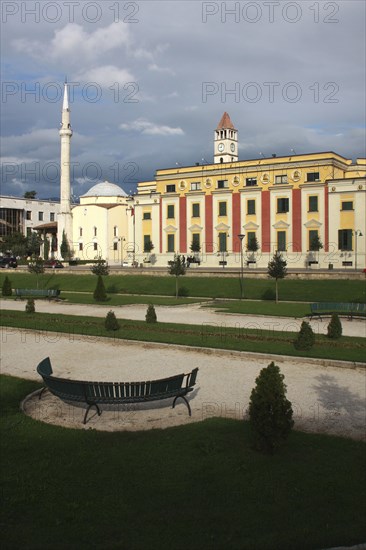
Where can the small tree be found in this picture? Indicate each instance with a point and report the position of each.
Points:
(30, 194)
(277, 269)
(33, 244)
(29, 306)
(65, 249)
(36, 266)
(151, 314)
(100, 268)
(315, 243)
(177, 268)
(148, 246)
(334, 329)
(111, 322)
(6, 289)
(306, 337)
(253, 245)
(270, 413)
(195, 246)
(100, 294)
(46, 248)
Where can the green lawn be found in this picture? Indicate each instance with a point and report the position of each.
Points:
(197, 487)
(211, 287)
(283, 309)
(122, 300)
(254, 339)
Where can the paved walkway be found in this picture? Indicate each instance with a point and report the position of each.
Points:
(191, 314)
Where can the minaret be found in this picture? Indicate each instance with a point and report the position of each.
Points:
(226, 141)
(64, 222)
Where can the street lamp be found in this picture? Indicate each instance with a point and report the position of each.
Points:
(241, 237)
(357, 233)
(121, 240)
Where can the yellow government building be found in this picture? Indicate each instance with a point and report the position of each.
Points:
(311, 207)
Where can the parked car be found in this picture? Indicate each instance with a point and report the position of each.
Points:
(8, 261)
(54, 264)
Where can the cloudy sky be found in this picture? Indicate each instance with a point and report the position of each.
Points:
(149, 81)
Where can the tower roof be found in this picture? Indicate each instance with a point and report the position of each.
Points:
(65, 104)
(225, 122)
(105, 189)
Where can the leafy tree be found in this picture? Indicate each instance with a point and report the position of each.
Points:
(277, 269)
(195, 246)
(111, 322)
(30, 194)
(270, 413)
(316, 244)
(151, 314)
(65, 250)
(6, 289)
(148, 246)
(253, 245)
(100, 294)
(177, 268)
(34, 242)
(306, 337)
(15, 244)
(100, 268)
(46, 248)
(36, 266)
(334, 329)
(29, 306)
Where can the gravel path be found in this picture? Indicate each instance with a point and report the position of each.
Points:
(325, 399)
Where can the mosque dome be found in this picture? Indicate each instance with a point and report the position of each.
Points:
(105, 189)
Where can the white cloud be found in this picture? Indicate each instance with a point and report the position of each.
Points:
(146, 127)
(106, 76)
(154, 67)
(72, 43)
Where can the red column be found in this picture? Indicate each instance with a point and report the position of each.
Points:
(161, 224)
(296, 220)
(182, 224)
(236, 230)
(209, 223)
(266, 220)
(326, 219)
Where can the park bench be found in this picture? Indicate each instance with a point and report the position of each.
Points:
(95, 393)
(328, 308)
(37, 293)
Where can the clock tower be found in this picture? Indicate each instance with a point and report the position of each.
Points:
(226, 141)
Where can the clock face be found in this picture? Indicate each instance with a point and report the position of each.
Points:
(232, 147)
(221, 147)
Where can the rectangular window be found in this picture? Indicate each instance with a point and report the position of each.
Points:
(115, 231)
(222, 242)
(281, 240)
(95, 246)
(251, 206)
(170, 211)
(115, 246)
(222, 184)
(80, 246)
(312, 176)
(147, 240)
(282, 206)
(196, 239)
(313, 238)
(52, 216)
(222, 209)
(29, 215)
(281, 179)
(347, 205)
(170, 188)
(146, 216)
(29, 231)
(345, 239)
(80, 231)
(170, 243)
(196, 186)
(249, 182)
(195, 210)
(251, 237)
(313, 204)
(95, 231)
(40, 216)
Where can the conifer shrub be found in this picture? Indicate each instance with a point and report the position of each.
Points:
(334, 329)
(110, 321)
(270, 413)
(306, 337)
(29, 306)
(100, 294)
(6, 288)
(151, 314)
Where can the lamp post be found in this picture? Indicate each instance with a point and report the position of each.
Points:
(357, 233)
(241, 237)
(121, 240)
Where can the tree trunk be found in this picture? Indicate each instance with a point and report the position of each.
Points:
(276, 291)
(176, 287)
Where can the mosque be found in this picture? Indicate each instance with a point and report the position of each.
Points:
(311, 207)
